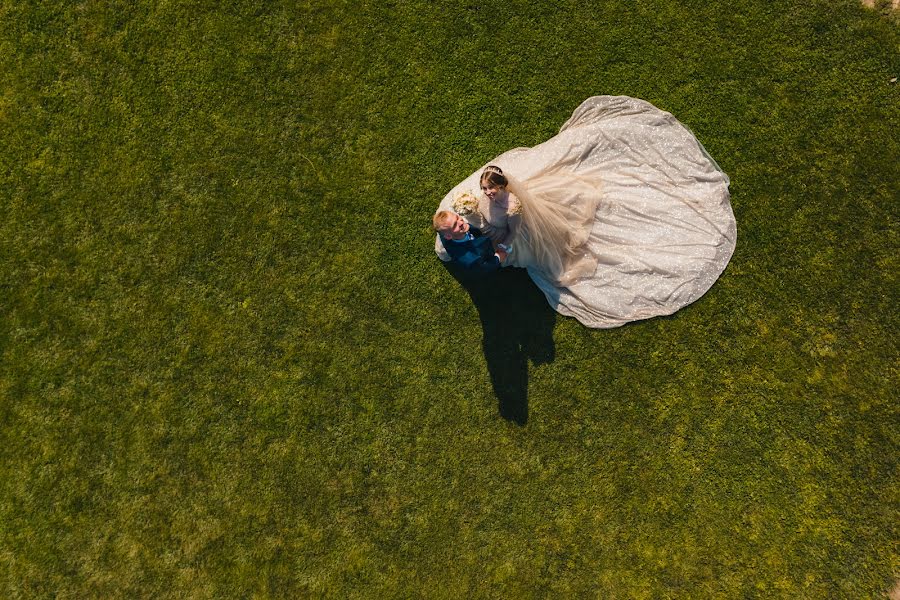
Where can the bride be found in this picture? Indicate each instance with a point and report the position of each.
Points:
(621, 216)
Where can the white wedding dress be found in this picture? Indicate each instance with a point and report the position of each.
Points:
(649, 227)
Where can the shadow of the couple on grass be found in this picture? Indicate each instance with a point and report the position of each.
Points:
(517, 325)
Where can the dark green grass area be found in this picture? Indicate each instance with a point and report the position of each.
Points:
(233, 367)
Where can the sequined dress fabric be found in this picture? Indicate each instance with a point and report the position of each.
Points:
(662, 230)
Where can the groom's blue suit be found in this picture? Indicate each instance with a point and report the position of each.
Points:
(476, 254)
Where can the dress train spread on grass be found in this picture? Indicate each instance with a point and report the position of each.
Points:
(636, 209)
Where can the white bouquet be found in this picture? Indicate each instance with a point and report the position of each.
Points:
(465, 204)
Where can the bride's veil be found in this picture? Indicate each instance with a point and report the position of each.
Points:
(557, 214)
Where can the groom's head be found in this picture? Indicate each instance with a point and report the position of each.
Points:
(450, 225)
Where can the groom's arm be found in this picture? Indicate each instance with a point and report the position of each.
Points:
(481, 264)
(484, 263)
(469, 257)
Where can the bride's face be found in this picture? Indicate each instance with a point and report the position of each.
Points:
(492, 190)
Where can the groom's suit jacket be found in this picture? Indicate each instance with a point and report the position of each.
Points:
(476, 254)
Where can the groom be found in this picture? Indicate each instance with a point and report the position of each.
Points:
(465, 244)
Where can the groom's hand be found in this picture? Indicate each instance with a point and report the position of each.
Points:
(501, 254)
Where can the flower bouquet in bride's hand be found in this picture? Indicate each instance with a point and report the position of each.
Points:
(465, 204)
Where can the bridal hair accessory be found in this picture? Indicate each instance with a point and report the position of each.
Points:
(465, 204)
(495, 175)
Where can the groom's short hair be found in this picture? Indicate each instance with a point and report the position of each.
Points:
(440, 219)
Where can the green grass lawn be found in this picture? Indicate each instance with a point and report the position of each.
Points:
(233, 367)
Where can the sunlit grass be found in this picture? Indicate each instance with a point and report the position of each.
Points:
(233, 366)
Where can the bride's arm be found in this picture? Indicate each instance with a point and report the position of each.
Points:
(513, 220)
